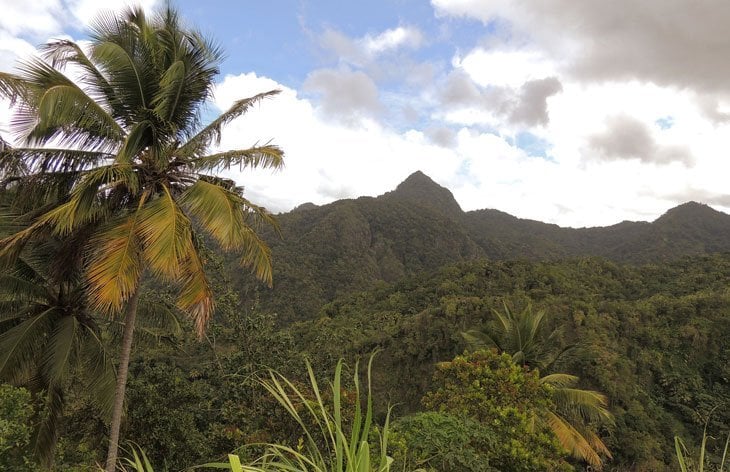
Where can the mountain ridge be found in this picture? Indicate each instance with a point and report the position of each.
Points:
(349, 245)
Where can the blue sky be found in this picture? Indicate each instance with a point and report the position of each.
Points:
(577, 113)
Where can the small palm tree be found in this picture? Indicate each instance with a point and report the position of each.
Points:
(576, 411)
(48, 337)
(123, 148)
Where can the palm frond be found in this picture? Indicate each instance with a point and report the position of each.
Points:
(166, 233)
(588, 405)
(559, 380)
(572, 441)
(19, 346)
(45, 160)
(220, 211)
(13, 87)
(48, 429)
(167, 97)
(62, 52)
(98, 370)
(477, 340)
(264, 157)
(67, 103)
(122, 71)
(20, 289)
(256, 255)
(195, 297)
(211, 134)
(59, 350)
(115, 267)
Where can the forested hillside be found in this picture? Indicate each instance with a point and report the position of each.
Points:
(323, 252)
(652, 338)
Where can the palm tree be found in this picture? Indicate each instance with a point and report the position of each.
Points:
(123, 143)
(521, 335)
(48, 337)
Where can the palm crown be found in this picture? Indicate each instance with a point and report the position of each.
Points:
(124, 140)
(576, 411)
(113, 156)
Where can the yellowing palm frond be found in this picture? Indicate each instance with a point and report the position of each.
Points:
(256, 255)
(588, 405)
(195, 297)
(115, 266)
(572, 440)
(219, 210)
(165, 232)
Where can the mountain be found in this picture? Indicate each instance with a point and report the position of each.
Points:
(350, 245)
(418, 189)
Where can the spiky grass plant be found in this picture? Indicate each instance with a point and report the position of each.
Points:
(328, 445)
(687, 464)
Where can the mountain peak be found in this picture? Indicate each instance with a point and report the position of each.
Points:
(690, 212)
(421, 189)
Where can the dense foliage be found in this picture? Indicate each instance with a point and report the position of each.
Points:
(652, 338)
(109, 223)
(328, 251)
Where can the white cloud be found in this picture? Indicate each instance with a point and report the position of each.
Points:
(345, 95)
(42, 17)
(88, 10)
(392, 39)
(505, 67)
(668, 42)
(366, 50)
(326, 161)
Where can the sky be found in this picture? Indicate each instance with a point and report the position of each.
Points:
(579, 113)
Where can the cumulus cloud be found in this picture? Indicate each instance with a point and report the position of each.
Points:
(668, 42)
(531, 108)
(525, 105)
(41, 17)
(345, 95)
(505, 67)
(626, 137)
(365, 50)
(441, 136)
(326, 160)
(393, 39)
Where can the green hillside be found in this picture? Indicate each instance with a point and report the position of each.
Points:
(327, 251)
(653, 338)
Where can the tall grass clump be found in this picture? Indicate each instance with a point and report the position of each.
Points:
(687, 463)
(330, 443)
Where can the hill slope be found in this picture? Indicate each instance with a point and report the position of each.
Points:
(330, 250)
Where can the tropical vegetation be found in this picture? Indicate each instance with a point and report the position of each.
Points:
(116, 227)
(117, 160)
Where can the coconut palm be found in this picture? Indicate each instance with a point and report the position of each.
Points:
(48, 337)
(576, 411)
(115, 130)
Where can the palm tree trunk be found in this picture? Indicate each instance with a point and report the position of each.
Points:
(130, 315)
